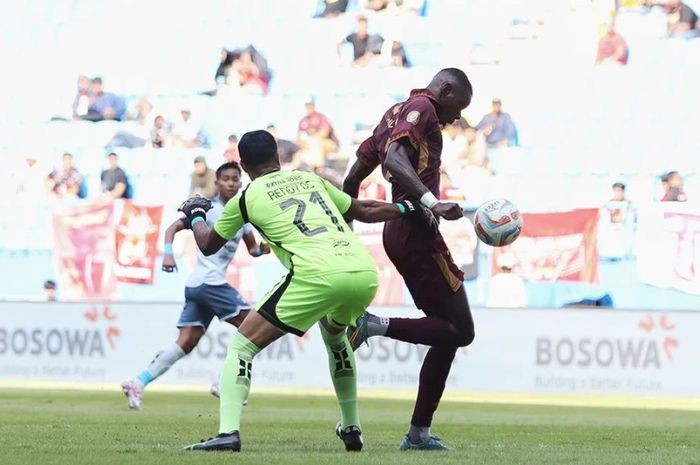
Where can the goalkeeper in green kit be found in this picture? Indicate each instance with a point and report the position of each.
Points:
(332, 277)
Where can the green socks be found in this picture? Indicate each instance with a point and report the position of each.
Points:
(341, 362)
(235, 382)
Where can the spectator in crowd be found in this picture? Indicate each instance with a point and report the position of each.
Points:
(497, 126)
(186, 131)
(365, 46)
(65, 181)
(506, 289)
(315, 136)
(50, 290)
(612, 48)
(619, 207)
(682, 20)
(231, 152)
(395, 6)
(454, 143)
(203, 179)
(139, 111)
(115, 184)
(160, 134)
(333, 8)
(246, 74)
(103, 105)
(245, 69)
(287, 150)
(397, 55)
(674, 187)
(81, 103)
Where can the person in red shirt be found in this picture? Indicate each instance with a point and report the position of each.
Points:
(612, 47)
(407, 143)
(315, 136)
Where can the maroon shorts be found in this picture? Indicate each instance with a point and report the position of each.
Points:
(424, 262)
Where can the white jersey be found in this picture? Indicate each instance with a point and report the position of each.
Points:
(211, 270)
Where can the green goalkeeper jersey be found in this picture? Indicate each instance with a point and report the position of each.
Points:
(301, 217)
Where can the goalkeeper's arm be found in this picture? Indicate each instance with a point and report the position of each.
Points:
(208, 240)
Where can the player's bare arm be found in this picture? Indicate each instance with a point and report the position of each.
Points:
(169, 264)
(207, 239)
(358, 172)
(255, 249)
(398, 164)
(372, 211)
(375, 211)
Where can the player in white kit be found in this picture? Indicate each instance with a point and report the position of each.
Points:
(207, 294)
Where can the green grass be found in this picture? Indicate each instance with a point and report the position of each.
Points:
(86, 427)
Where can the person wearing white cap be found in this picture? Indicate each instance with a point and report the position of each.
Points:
(506, 289)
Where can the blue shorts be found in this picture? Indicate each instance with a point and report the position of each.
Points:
(204, 302)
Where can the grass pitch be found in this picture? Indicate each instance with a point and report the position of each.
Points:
(89, 427)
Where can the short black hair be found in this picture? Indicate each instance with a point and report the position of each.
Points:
(112, 154)
(257, 148)
(49, 284)
(67, 154)
(97, 80)
(233, 137)
(229, 165)
(459, 77)
(619, 185)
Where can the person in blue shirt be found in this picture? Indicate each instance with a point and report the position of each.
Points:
(498, 127)
(103, 105)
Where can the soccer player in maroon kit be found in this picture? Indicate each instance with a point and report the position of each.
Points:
(407, 143)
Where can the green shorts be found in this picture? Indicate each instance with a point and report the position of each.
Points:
(298, 302)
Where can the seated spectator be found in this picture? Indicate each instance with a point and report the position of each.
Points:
(115, 184)
(248, 75)
(103, 105)
(187, 132)
(395, 6)
(50, 290)
(365, 46)
(315, 136)
(65, 181)
(673, 187)
(287, 150)
(81, 103)
(139, 111)
(682, 20)
(497, 126)
(395, 53)
(612, 48)
(333, 8)
(203, 179)
(231, 152)
(506, 289)
(160, 134)
(619, 207)
(245, 69)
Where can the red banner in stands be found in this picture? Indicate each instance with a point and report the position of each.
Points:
(84, 252)
(136, 243)
(555, 247)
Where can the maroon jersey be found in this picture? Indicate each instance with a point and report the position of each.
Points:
(416, 120)
(422, 258)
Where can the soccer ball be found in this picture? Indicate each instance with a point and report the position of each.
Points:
(498, 222)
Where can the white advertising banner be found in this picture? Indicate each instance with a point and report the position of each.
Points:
(529, 351)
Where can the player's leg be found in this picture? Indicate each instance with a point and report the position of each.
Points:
(194, 320)
(434, 372)
(228, 305)
(254, 334)
(351, 294)
(436, 287)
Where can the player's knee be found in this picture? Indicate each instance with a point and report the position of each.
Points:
(466, 337)
(188, 341)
